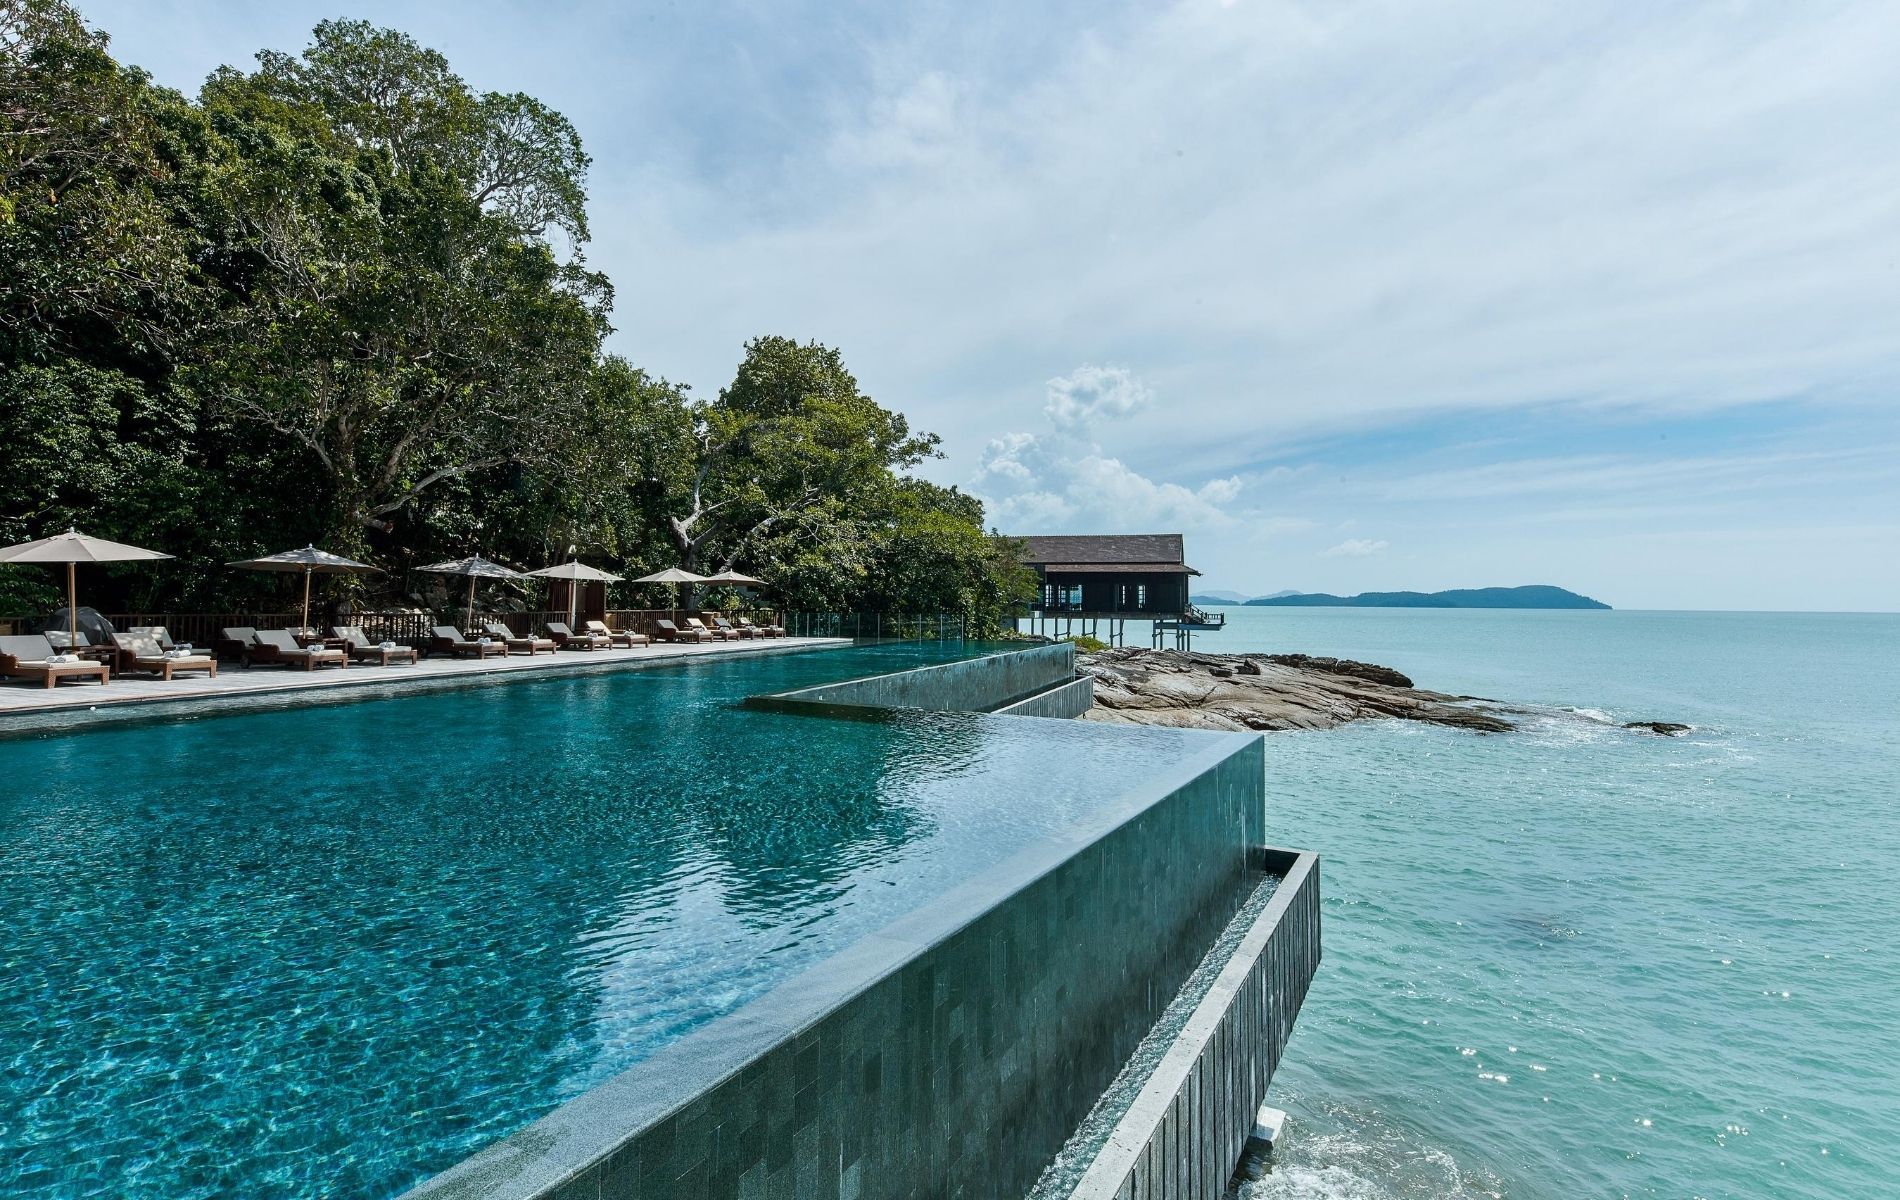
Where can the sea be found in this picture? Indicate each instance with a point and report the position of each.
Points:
(1580, 961)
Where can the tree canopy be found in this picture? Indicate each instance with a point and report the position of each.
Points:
(343, 298)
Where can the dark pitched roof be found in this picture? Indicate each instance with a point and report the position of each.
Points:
(1117, 569)
(1108, 548)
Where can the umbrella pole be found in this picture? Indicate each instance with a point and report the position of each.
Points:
(72, 607)
(469, 620)
(306, 597)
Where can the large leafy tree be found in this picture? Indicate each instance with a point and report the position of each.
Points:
(405, 321)
(790, 436)
(90, 263)
(930, 553)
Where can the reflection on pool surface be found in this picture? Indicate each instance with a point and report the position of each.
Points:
(331, 950)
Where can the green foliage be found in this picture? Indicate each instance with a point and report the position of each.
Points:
(1086, 643)
(341, 299)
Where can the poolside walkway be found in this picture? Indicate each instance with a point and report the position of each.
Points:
(20, 697)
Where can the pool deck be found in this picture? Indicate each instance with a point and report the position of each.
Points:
(22, 697)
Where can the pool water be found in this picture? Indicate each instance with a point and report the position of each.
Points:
(331, 950)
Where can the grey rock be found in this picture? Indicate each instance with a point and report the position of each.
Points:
(1660, 728)
(1265, 692)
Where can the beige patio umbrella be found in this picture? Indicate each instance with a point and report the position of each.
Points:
(311, 561)
(73, 548)
(475, 567)
(575, 571)
(676, 576)
(736, 579)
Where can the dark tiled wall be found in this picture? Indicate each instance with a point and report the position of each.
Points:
(1070, 699)
(973, 685)
(1183, 1134)
(947, 1056)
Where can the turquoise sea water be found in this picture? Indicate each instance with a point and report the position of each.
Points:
(329, 951)
(1575, 961)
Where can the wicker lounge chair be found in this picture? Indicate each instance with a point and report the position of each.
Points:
(447, 639)
(764, 631)
(142, 652)
(569, 640)
(617, 637)
(669, 632)
(721, 624)
(272, 646)
(360, 649)
(718, 635)
(514, 641)
(28, 655)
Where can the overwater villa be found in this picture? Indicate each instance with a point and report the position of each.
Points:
(1096, 583)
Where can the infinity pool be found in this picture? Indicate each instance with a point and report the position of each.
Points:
(331, 950)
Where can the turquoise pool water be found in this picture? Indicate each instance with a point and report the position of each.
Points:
(331, 950)
(1579, 962)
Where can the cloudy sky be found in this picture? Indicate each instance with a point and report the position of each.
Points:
(1357, 295)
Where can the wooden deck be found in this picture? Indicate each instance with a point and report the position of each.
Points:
(24, 698)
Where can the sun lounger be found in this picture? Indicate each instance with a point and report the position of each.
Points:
(356, 643)
(514, 641)
(720, 624)
(669, 632)
(719, 635)
(617, 637)
(569, 640)
(235, 641)
(163, 637)
(764, 631)
(272, 646)
(29, 656)
(446, 639)
(141, 652)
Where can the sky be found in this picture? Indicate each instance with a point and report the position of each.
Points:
(1358, 296)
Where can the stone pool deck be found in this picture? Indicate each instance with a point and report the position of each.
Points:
(24, 697)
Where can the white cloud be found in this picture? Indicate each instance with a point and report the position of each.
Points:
(1088, 393)
(1064, 481)
(1355, 548)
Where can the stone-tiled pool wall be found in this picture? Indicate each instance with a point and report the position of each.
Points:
(1015, 679)
(1186, 1128)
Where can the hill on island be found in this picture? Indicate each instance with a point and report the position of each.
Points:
(1219, 597)
(1534, 596)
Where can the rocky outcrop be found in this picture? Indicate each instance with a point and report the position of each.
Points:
(1661, 728)
(1265, 692)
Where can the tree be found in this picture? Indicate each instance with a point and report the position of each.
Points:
(791, 433)
(930, 554)
(403, 322)
(517, 157)
(89, 261)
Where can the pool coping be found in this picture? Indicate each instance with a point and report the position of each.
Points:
(584, 1133)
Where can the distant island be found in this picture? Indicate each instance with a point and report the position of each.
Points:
(1534, 596)
(1219, 598)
